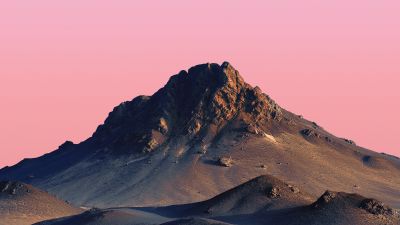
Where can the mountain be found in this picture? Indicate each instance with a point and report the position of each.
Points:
(203, 133)
(23, 204)
(262, 200)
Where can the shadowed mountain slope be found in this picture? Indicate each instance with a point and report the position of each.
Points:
(203, 133)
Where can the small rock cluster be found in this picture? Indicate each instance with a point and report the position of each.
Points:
(377, 208)
(225, 161)
(273, 192)
(349, 141)
(309, 133)
(328, 139)
(151, 145)
(327, 197)
(10, 187)
(312, 133)
(293, 189)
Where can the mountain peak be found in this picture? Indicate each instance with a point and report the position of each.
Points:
(209, 75)
(194, 104)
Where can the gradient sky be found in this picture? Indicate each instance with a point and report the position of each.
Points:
(65, 64)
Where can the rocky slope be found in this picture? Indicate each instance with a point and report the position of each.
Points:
(203, 133)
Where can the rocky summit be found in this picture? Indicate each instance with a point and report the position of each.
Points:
(196, 105)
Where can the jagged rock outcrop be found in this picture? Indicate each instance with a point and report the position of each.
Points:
(310, 133)
(376, 207)
(12, 187)
(326, 198)
(225, 161)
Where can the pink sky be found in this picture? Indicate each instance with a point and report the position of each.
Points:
(65, 64)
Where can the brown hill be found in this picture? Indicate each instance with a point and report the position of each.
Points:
(263, 193)
(23, 204)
